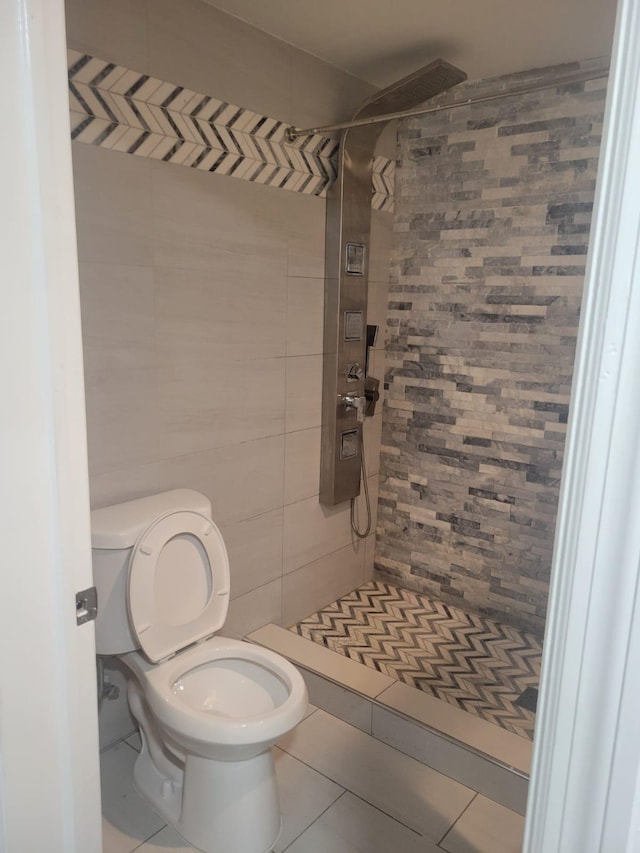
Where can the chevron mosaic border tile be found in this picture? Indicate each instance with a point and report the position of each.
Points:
(459, 657)
(114, 107)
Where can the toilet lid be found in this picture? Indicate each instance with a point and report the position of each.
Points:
(178, 583)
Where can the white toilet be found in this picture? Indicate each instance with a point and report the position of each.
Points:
(209, 708)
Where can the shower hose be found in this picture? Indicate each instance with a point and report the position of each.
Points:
(354, 524)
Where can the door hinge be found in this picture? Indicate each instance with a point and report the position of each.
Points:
(86, 605)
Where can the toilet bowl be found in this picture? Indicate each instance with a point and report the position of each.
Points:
(209, 708)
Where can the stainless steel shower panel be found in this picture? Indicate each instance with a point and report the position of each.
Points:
(349, 222)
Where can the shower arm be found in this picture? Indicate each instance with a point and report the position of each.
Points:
(293, 133)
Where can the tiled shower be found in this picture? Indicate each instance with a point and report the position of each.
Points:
(201, 247)
(491, 229)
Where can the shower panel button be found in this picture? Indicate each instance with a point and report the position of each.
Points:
(349, 444)
(353, 325)
(353, 372)
(355, 259)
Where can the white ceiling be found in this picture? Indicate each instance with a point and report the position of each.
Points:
(383, 40)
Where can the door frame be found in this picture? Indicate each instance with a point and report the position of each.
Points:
(49, 762)
(584, 791)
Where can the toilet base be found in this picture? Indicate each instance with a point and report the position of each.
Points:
(216, 806)
(222, 806)
(230, 805)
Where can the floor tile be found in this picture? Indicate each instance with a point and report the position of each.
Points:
(304, 796)
(166, 840)
(475, 664)
(134, 741)
(353, 826)
(416, 795)
(127, 820)
(339, 702)
(452, 758)
(508, 748)
(324, 662)
(485, 827)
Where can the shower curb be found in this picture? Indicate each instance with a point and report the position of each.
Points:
(469, 750)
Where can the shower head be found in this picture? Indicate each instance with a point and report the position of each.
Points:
(404, 94)
(414, 89)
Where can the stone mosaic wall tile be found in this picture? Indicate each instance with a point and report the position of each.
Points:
(127, 111)
(493, 208)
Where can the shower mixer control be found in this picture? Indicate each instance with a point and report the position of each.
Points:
(353, 401)
(353, 372)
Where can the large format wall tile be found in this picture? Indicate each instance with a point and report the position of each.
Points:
(121, 402)
(253, 609)
(305, 248)
(305, 307)
(117, 29)
(302, 464)
(198, 46)
(202, 296)
(316, 584)
(242, 480)
(304, 392)
(113, 207)
(198, 225)
(117, 302)
(320, 92)
(254, 546)
(228, 322)
(204, 405)
(312, 531)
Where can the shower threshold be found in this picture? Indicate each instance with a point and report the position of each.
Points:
(360, 657)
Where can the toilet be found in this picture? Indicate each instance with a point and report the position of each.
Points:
(209, 708)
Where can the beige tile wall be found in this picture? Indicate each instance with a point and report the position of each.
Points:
(202, 301)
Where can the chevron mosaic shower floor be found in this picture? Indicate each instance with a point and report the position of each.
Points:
(471, 662)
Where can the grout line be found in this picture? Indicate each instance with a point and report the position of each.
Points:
(389, 746)
(389, 815)
(472, 800)
(137, 751)
(153, 835)
(395, 749)
(316, 819)
(117, 743)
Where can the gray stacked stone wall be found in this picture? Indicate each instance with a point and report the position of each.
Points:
(493, 209)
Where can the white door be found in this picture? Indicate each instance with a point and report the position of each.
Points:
(49, 772)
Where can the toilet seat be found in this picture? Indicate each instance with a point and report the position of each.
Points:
(184, 720)
(178, 586)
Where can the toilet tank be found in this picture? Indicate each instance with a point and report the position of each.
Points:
(114, 533)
